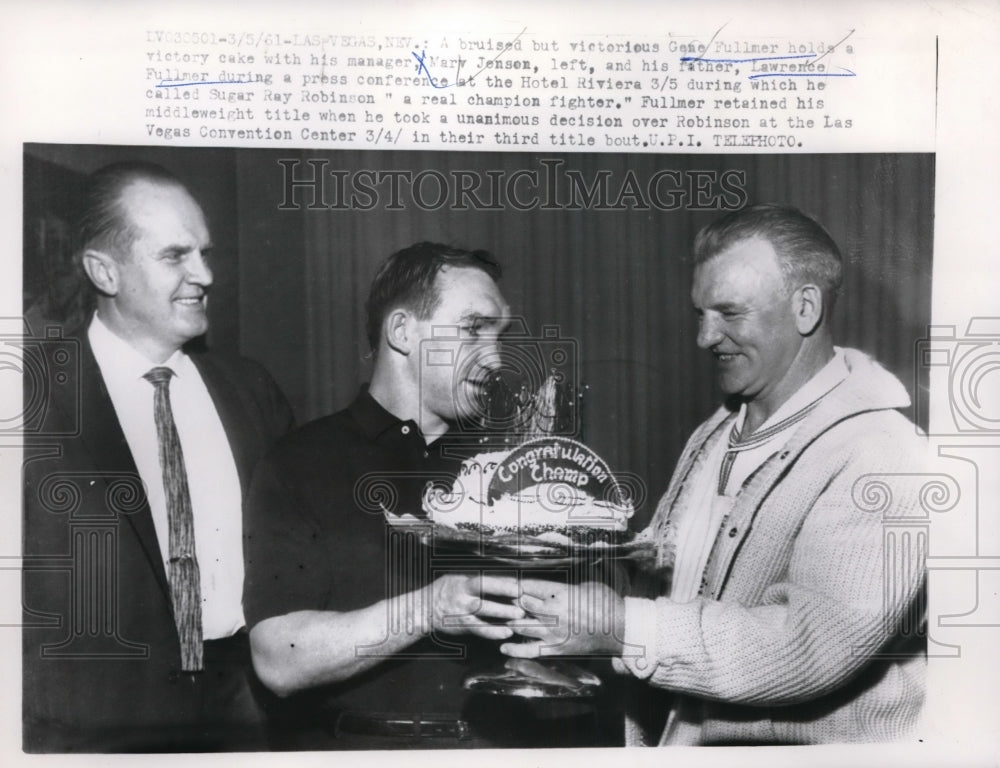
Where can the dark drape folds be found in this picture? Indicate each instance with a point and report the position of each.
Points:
(611, 274)
(617, 281)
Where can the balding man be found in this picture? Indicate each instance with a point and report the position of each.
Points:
(789, 617)
(149, 650)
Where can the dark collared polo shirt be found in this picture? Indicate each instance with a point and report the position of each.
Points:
(316, 539)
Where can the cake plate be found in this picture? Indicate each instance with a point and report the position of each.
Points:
(548, 678)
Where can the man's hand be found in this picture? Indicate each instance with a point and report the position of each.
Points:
(461, 603)
(568, 620)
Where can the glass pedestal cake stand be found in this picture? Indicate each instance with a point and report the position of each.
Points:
(593, 558)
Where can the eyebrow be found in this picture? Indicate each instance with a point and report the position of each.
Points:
(184, 249)
(479, 317)
(722, 306)
(499, 322)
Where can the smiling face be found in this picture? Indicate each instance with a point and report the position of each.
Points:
(159, 297)
(747, 320)
(458, 346)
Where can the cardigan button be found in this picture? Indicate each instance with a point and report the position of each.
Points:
(732, 532)
(784, 455)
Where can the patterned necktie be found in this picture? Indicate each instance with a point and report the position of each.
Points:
(185, 586)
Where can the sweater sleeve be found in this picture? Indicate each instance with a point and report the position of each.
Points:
(836, 605)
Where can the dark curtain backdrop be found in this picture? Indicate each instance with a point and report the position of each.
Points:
(291, 284)
(617, 282)
(54, 177)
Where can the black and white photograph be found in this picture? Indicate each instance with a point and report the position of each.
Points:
(508, 328)
(513, 384)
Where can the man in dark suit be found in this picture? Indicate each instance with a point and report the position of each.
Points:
(134, 634)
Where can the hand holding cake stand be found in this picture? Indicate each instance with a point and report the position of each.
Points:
(552, 513)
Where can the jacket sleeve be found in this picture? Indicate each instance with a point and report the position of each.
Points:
(836, 604)
(273, 403)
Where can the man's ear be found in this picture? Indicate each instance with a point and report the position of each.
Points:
(102, 269)
(397, 331)
(808, 306)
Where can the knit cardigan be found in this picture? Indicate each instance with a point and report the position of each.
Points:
(809, 625)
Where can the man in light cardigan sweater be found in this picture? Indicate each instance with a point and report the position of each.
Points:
(788, 615)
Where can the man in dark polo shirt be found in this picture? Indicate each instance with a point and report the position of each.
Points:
(361, 647)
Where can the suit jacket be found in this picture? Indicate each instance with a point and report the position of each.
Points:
(101, 656)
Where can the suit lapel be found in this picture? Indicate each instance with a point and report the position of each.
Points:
(104, 441)
(239, 427)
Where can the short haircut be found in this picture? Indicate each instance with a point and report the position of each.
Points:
(102, 224)
(407, 279)
(806, 252)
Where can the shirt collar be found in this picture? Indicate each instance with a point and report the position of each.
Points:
(116, 357)
(822, 382)
(375, 420)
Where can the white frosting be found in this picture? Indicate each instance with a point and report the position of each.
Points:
(548, 505)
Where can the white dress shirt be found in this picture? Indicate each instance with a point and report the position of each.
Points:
(213, 480)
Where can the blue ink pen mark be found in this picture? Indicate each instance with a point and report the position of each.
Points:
(422, 67)
(717, 32)
(845, 73)
(170, 84)
(834, 47)
(745, 61)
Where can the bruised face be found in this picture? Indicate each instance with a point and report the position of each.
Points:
(162, 285)
(746, 319)
(459, 345)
